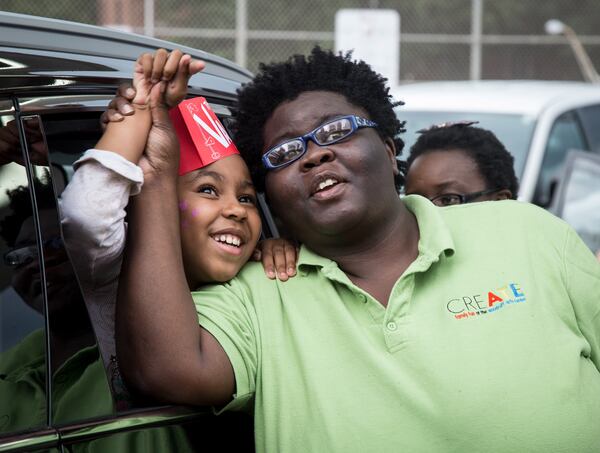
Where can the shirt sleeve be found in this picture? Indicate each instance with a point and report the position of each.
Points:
(582, 275)
(92, 210)
(227, 313)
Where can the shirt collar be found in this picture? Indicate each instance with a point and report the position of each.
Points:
(434, 235)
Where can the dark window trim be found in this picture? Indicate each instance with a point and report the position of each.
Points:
(37, 440)
(132, 421)
(38, 235)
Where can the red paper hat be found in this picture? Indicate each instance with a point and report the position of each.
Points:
(202, 137)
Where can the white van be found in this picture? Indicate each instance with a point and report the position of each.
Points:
(551, 128)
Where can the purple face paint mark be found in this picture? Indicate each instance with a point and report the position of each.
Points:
(195, 212)
(183, 205)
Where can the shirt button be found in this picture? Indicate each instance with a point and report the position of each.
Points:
(362, 297)
(392, 326)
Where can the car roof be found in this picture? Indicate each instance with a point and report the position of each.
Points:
(34, 47)
(525, 97)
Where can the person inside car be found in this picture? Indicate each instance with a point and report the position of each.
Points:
(220, 223)
(407, 328)
(455, 163)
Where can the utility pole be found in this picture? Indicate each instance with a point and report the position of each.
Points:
(241, 32)
(476, 27)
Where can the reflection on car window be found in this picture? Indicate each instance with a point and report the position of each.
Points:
(79, 385)
(22, 334)
(43, 279)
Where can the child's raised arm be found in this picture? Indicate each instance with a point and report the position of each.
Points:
(127, 135)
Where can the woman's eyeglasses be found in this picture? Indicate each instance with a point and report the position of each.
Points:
(326, 134)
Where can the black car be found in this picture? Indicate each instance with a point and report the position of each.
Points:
(56, 78)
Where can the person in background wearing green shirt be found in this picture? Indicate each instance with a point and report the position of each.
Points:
(408, 327)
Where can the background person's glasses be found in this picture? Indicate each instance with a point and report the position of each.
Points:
(326, 134)
(449, 199)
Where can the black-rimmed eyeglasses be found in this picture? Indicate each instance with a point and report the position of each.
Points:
(449, 199)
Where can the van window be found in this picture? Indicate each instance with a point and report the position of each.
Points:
(566, 134)
(590, 119)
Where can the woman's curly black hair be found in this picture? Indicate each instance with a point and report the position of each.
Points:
(322, 70)
(494, 162)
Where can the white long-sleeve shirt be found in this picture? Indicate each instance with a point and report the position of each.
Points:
(93, 213)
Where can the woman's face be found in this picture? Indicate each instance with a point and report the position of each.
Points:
(220, 223)
(437, 173)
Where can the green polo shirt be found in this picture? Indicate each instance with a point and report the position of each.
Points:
(490, 342)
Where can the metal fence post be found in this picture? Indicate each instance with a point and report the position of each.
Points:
(149, 17)
(241, 32)
(476, 27)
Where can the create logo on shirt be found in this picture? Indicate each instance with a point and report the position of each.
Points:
(487, 302)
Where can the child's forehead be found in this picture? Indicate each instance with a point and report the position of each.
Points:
(229, 170)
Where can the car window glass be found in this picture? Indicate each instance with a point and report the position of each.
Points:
(565, 134)
(22, 333)
(581, 205)
(590, 119)
(514, 131)
(79, 387)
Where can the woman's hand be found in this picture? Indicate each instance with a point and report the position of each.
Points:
(278, 256)
(173, 68)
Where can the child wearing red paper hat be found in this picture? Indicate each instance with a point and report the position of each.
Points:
(220, 222)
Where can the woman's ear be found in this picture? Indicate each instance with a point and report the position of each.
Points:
(390, 148)
(503, 194)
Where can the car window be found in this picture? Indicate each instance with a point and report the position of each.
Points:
(590, 119)
(565, 134)
(78, 386)
(579, 201)
(514, 131)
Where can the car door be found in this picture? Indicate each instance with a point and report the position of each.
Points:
(94, 416)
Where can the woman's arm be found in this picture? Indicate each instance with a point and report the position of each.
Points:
(162, 350)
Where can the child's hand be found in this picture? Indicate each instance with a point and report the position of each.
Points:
(150, 69)
(178, 83)
(175, 68)
(278, 257)
(147, 68)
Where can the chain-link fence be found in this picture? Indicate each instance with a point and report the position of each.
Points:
(450, 40)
